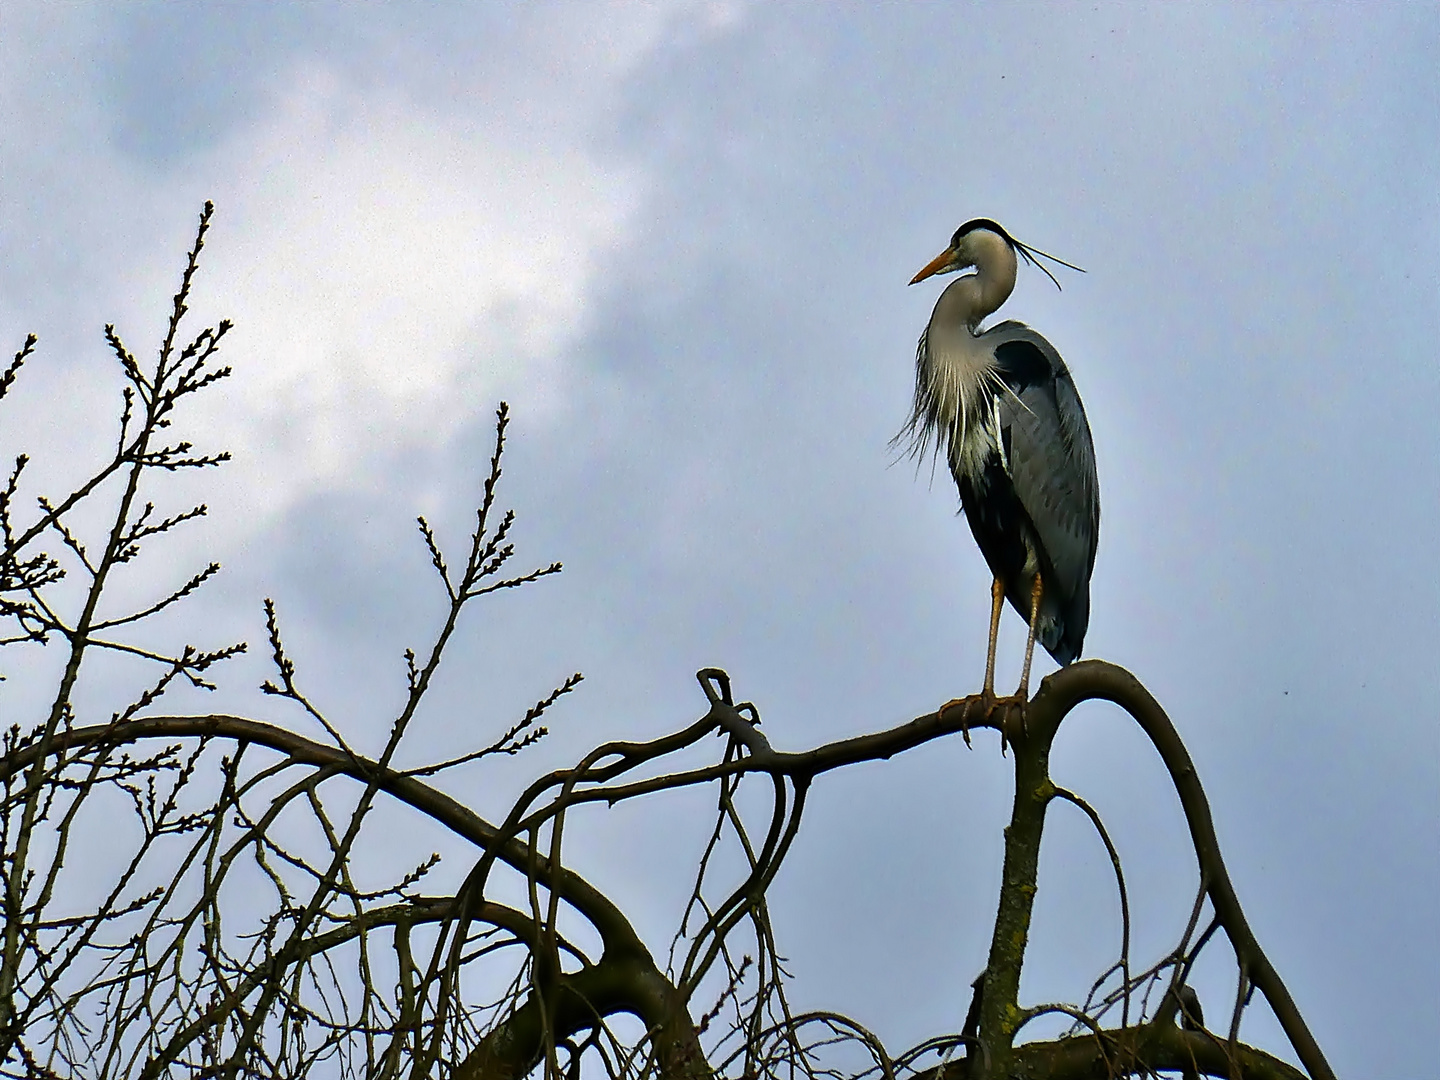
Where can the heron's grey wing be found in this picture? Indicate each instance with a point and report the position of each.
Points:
(1050, 456)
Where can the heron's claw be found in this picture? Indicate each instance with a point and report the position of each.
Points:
(1020, 704)
(983, 705)
(965, 704)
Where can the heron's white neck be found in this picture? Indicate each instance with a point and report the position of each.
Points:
(957, 369)
(972, 298)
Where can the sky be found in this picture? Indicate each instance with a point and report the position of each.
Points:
(676, 238)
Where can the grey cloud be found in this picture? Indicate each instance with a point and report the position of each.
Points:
(1253, 197)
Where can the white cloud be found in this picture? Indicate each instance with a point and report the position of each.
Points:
(390, 269)
(395, 253)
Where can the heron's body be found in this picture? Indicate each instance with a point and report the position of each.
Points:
(1002, 406)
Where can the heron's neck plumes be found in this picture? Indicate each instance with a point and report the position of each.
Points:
(955, 381)
(955, 376)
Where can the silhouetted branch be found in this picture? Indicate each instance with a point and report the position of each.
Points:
(240, 931)
(1124, 962)
(1139, 1051)
(7, 378)
(1095, 679)
(512, 741)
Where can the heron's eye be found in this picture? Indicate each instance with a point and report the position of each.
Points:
(955, 240)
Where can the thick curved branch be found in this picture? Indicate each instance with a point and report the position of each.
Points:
(580, 1002)
(1092, 679)
(1135, 1051)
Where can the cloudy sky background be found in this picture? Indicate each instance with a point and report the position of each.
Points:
(676, 239)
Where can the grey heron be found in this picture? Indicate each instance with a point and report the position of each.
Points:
(1002, 406)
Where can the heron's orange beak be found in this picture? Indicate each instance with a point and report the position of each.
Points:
(935, 265)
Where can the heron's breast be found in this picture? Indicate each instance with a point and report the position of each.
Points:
(960, 377)
(975, 445)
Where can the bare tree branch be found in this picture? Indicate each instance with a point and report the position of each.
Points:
(237, 927)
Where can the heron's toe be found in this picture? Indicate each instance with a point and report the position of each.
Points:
(972, 706)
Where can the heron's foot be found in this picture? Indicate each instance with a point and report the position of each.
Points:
(981, 709)
(975, 705)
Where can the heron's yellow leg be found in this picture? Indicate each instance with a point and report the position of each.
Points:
(1037, 589)
(986, 698)
(997, 603)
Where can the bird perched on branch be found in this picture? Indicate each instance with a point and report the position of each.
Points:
(1001, 405)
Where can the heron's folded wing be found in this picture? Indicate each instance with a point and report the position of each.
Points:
(1050, 455)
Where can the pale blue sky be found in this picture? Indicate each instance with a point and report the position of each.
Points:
(677, 240)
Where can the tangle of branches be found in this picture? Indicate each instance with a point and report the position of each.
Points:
(238, 928)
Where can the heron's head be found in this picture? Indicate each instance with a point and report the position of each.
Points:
(986, 246)
(979, 242)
